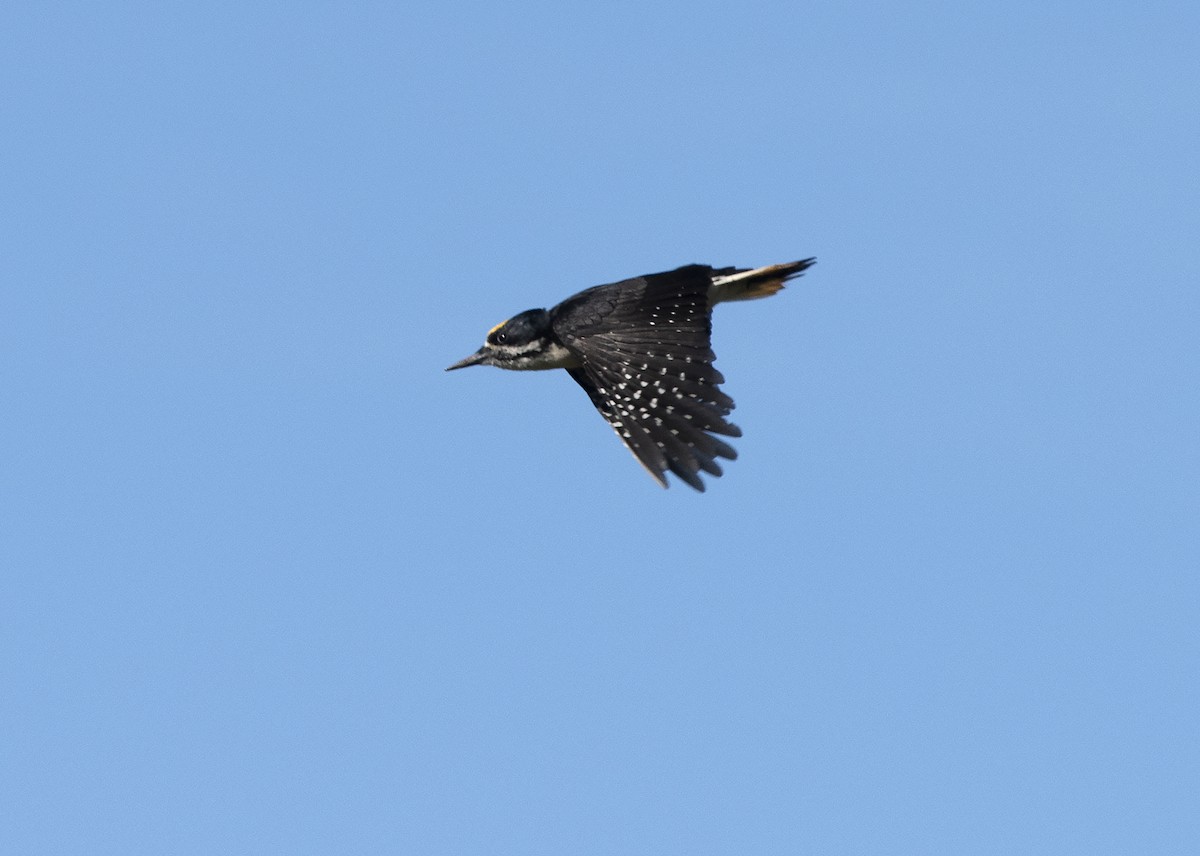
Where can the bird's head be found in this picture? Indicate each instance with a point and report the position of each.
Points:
(524, 341)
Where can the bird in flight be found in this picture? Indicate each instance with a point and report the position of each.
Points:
(640, 348)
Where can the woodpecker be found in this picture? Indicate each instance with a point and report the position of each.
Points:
(640, 348)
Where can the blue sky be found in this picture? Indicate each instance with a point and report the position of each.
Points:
(273, 582)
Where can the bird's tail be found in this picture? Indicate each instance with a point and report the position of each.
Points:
(736, 284)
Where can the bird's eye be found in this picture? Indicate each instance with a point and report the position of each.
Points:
(501, 338)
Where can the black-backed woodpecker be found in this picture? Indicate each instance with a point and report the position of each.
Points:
(640, 348)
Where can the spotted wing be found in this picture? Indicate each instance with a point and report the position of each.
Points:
(644, 345)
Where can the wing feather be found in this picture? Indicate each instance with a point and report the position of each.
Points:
(646, 364)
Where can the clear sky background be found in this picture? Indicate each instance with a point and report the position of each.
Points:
(272, 582)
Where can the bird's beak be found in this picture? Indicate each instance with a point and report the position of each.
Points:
(475, 359)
